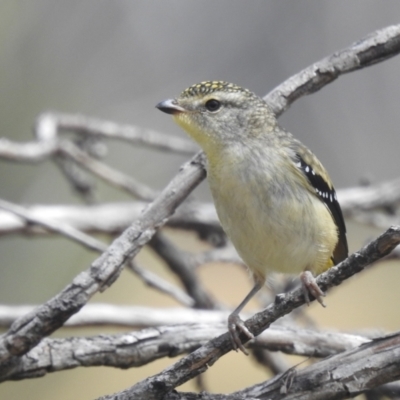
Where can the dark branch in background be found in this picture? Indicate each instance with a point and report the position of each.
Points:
(178, 263)
(159, 385)
(81, 181)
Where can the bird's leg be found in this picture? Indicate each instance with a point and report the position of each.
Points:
(236, 324)
(310, 286)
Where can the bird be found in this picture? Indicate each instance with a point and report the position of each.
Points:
(273, 197)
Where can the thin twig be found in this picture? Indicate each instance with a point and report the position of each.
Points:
(131, 134)
(55, 226)
(105, 172)
(91, 243)
(49, 125)
(154, 281)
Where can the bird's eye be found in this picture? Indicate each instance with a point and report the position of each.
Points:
(213, 105)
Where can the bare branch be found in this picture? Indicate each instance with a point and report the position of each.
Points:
(108, 174)
(123, 316)
(55, 226)
(154, 281)
(111, 218)
(33, 152)
(159, 385)
(339, 377)
(386, 194)
(131, 134)
(50, 124)
(27, 332)
(200, 217)
(91, 243)
(135, 349)
(376, 47)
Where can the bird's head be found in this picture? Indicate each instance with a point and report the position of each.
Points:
(214, 113)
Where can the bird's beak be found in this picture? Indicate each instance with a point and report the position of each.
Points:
(170, 107)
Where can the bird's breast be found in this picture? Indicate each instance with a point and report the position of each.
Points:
(274, 223)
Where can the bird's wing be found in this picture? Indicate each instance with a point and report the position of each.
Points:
(320, 182)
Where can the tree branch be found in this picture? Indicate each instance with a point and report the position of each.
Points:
(50, 124)
(54, 226)
(154, 281)
(376, 47)
(103, 171)
(91, 243)
(137, 136)
(339, 377)
(197, 216)
(159, 385)
(27, 332)
(134, 349)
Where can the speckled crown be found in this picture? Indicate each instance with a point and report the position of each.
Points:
(208, 87)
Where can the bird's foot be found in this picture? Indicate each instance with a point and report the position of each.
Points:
(310, 286)
(236, 326)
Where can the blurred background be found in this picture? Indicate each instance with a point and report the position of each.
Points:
(115, 60)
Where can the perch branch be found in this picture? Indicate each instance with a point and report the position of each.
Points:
(159, 385)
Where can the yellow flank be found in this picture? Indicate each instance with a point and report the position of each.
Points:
(273, 197)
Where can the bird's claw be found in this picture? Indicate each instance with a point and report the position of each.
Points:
(310, 286)
(235, 327)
